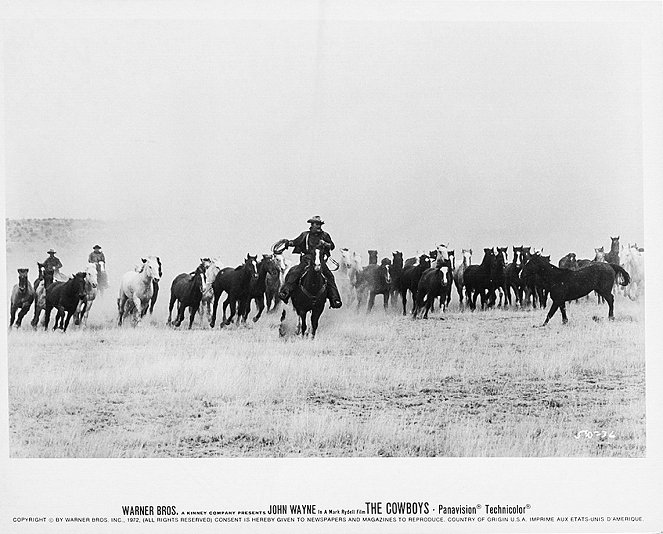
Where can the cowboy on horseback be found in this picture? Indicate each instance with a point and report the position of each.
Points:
(306, 244)
(99, 260)
(96, 255)
(55, 263)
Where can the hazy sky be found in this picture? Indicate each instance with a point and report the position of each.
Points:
(399, 132)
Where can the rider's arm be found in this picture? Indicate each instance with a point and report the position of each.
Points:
(327, 238)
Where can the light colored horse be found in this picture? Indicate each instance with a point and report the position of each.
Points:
(136, 289)
(348, 274)
(442, 251)
(633, 260)
(91, 290)
(599, 254)
(212, 268)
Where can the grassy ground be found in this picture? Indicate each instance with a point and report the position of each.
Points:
(458, 384)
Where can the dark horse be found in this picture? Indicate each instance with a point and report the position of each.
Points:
(434, 282)
(187, 289)
(478, 282)
(512, 280)
(237, 284)
(23, 294)
(565, 284)
(64, 296)
(310, 293)
(267, 266)
(396, 275)
(410, 280)
(376, 280)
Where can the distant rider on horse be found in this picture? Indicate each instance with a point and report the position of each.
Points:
(97, 257)
(305, 244)
(53, 262)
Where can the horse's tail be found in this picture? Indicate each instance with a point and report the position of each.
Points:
(622, 276)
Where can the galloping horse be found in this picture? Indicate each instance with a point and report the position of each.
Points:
(396, 275)
(91, 288)
(310, 294)
(349, 269)
(187, 289)
(273, 283)
(375, 280)
(268, 266)
(477, 280)
(212, 269)
(565, 285)
(102, 276)
(65, 296)
(237, 285)
(498, 274)
(459, 273)
(512, 279)
(23, 294)
(45, 280)
(137, 289)
(434, 282)
(410, 279)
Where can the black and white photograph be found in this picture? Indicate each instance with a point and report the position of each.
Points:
(264, 244)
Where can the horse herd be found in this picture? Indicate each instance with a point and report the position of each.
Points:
(528, 279)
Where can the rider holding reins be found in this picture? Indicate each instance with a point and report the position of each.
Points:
(305, 244)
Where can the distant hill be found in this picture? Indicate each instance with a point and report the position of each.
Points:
(37, 234)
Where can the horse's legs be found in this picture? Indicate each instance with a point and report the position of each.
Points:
(302, 319)
(171, 303)
(66, 323)
(404, 299)
(181, 309)
(607, 296)
(562, 308)
(59, 318)
(371, 301)
(13, 315)
(386, 301)
(233, 309)
(35, 319)
(214, 306)
(120, 307)
(153, 300)
(315, 317)
(22, 314)
(260, 303)
(47, 316)
(138, 314)
(552, 311)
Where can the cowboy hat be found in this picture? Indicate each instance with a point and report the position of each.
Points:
(51, 251)
(97, 246)
(316, 219)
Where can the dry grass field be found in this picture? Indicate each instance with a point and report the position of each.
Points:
(457, 384)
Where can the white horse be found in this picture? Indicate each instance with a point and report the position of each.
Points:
(212, 268)
(91, 290)
(442, 251)
(633, 260)
(136, 289)
(349, 269)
